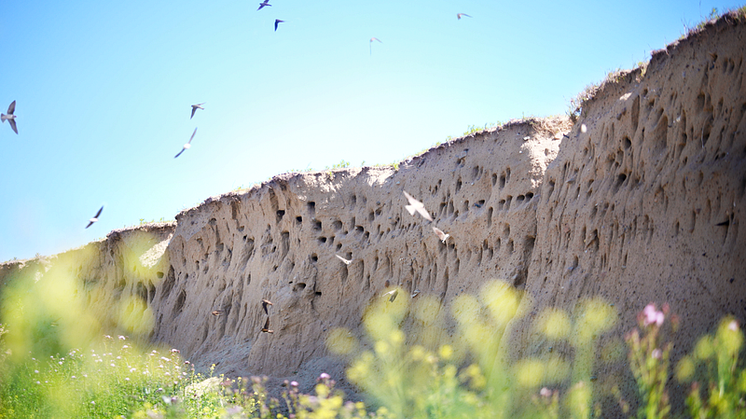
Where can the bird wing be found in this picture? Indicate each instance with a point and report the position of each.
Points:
(182, 150)
(12, 108)
(343, 259)
(190, 138)
(194, 109)
(12, 123)
(439, 233)
(99, 212)
(89, 224)
(410, 198)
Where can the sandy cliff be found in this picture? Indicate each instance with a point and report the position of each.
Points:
(642, 205)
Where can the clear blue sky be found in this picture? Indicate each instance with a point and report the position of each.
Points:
(104, 89)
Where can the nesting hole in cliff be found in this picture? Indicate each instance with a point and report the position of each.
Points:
(520, 198)
(626, 143)
(299, 286)
(508, 200)
(489, 217)
(280, 214)
(314, 258)
(180, 300)
(213, 222)
(241, 229)
(317, 225)
(337, 225)
(359, 229)
(353, 201)
(494, 179)
(366, 236)
(502, 181)
(159, 274)
(321, 239)
(371, 216)
(620, 179)
(458, 185)
(511, 246)
(479, 203)
(339, 246)
(466, 205)
(299, 219)
(529, 196)
(311, 208)
(318, 293)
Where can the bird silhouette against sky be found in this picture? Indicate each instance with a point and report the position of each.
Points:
(371, 43)
(10, 117)
(187, 145)
(195, 107)
(277, 22)
(460, 15)
(95, 217)
(263, 3)
(415, 205)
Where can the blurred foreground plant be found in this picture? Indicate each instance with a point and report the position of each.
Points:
(649, 361)
(717, 358)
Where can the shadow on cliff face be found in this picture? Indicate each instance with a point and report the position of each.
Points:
(469, 374)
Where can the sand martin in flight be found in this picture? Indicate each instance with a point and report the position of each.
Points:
(441, 235)
(346, 262)
(263, 3)
(195, 107)
(10, 117)
(95, 217)
(277, 22)
(459, 15)
(415, 205)
(187, 145)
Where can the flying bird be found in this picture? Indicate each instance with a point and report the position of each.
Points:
(263, 3)
(416, 293)
(277, 22)
(195, 107)
(187, 145)
(10, 117)
(266, 303)
(371, 44)
(393, 293)
(95, 217)
(266, 328)
(441, 235)
(459, 15)
(346, 262)
(217, 312)
(415, 205)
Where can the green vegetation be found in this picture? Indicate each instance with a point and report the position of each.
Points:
(56, 361)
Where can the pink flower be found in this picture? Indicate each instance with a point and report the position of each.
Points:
(651, 315)
(657, 353)
(545, 392)
(294, 383)
(733, 325)
(324, 376)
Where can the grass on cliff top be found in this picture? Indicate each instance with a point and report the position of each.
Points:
(56, 360)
